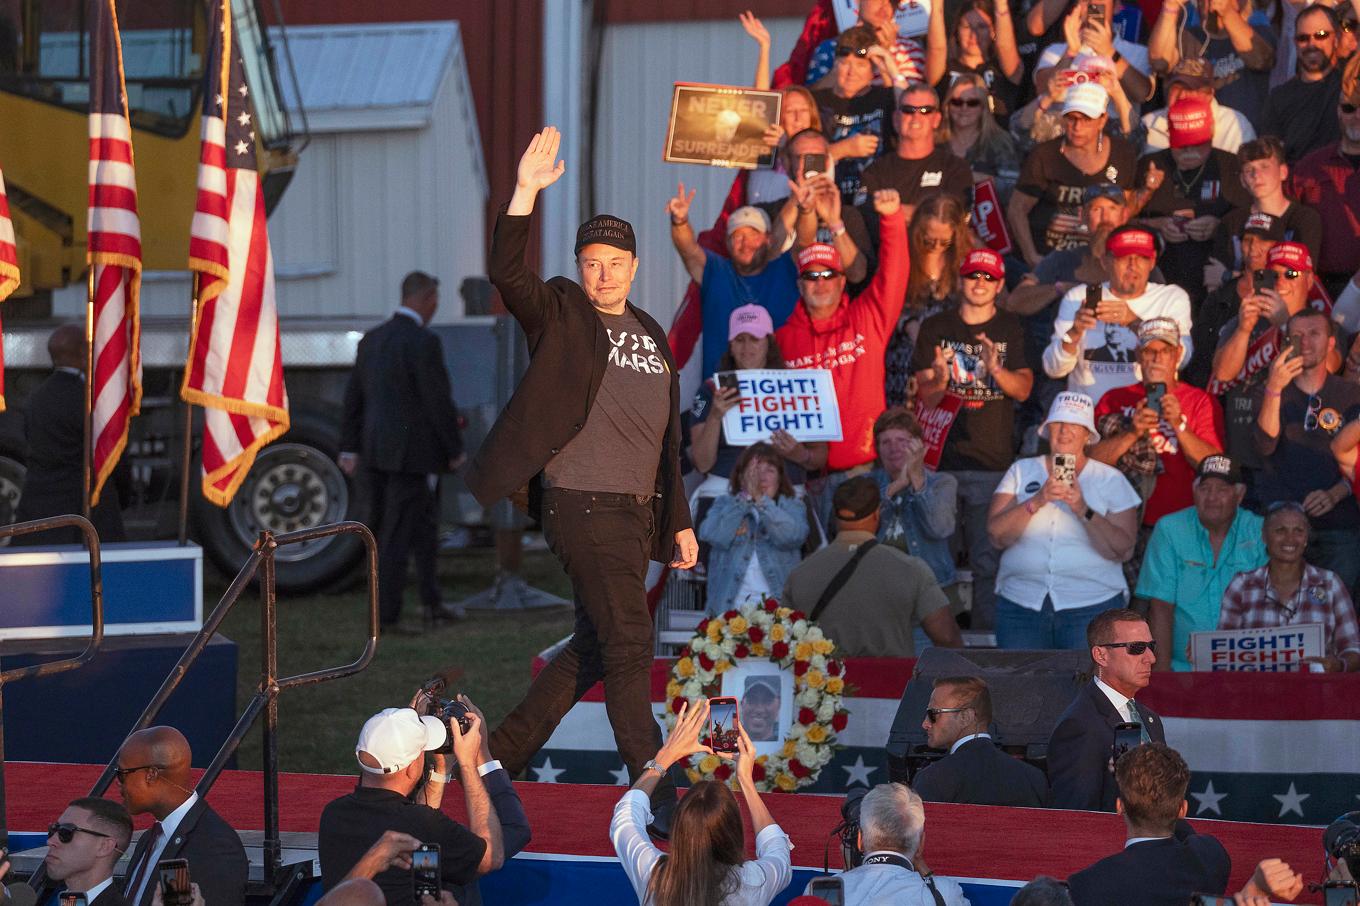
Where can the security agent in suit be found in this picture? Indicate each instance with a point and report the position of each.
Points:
(590, 442)
(400, 428)
(84, 844)
(154, 777)
(55, 432)
(1163, 860)
(975, 772)
(1080, 770)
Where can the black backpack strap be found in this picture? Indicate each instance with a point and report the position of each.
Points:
(838, 581)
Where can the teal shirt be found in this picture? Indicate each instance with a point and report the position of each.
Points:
(1179, 568)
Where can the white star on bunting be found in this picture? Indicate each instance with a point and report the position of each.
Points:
(859, 772)
(1208, 800)
(1291, 801)
(244, 118)
(241, 147)
(621, 776)
(547, 773)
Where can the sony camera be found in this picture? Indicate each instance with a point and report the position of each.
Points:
(445, 709)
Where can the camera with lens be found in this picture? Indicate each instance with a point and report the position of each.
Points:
(446, 709)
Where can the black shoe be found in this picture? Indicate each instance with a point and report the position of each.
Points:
(663, 813)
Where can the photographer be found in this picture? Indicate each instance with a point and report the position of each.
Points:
(390, 796)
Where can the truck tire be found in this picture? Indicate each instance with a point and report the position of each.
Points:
(294, 484)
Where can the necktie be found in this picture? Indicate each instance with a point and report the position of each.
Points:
(1135, 717)
(138, 874)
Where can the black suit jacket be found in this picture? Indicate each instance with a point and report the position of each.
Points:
(979, 773)
(217, 860)
(399, 414)
(1155, 873)
(112, 896)
(1079, 751)
(567, 349)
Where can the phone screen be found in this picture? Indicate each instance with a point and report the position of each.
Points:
(1155, 393)
(722, 718)
(1208, 899)
(174, 879)
(811, 165)
(1126, 737)
(425, 869)
(73, 899)
(830, 889)
(1342, 895)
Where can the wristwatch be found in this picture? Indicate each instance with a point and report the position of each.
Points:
(1089, 514)
(653, 765)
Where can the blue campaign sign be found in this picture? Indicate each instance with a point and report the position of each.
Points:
(1274, 649)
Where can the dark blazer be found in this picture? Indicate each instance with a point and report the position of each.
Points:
(979, 773)
(1079, 751)
(112, 896)
(1155, 873)
(567, 350)
(399, 414)
(217, 860)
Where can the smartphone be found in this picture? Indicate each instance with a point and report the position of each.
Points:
(174, 881)
(1097, 12)
(811, 165)
(1127, 736)
(1155, 392)
(1295, 346)
(73, 899)
(1094, 293)
(1340, 893)
(830, 889)
(1208, 899)
(1264, 279)
(425, 873)
(1065, 467)
(722, 724)
(726, 380)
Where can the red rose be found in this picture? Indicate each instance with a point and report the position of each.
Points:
(800, 667)
(723, 771)
(779, 650)
(796, 616)
(757, 772)
(833, 668)
(798, 769)
(676, 704)
(731, 615)
(741, 651)
(771, 605)
(706, 662)
(806, 715)
(702, 628)
(839, 720)
(755, 634)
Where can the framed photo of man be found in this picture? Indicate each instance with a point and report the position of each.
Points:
(764, 696)
(721, 125)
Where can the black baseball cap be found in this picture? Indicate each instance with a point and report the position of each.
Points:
(606, 229)
(1219, 466)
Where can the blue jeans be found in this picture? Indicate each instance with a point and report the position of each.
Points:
(1046, 629)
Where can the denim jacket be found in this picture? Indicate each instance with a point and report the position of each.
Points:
(921, 523)
(777, 529)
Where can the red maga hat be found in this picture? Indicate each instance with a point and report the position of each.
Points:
(1131, 242)
(819, 256)
(1293, 255)
(985, 260)
(1190, 121)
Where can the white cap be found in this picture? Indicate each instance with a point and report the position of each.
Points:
(395, 737)
(1074, 409)
(748, 216)
(1086, 97)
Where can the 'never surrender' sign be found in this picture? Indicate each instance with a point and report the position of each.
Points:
(801, 402)
(1278, 649)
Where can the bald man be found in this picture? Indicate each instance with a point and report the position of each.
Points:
(55, 431)
(155, 778)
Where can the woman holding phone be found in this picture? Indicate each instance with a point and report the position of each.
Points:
(1064, 524)
(982, 45)
(706, 862)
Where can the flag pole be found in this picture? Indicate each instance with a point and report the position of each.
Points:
(87, 481)
(187, 453)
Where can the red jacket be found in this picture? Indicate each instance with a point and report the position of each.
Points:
(852, 342)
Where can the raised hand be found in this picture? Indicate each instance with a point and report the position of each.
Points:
(887, 202)
(679, 205)
(755, 28)
(536, 168)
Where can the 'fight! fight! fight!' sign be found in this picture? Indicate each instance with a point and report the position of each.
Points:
(801, 402)
(1278, 649)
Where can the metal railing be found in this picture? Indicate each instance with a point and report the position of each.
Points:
(96, 625)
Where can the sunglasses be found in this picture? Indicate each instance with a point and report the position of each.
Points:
(1292, 505)
(933, 714)
(1349, 25)
(1348, 109)
(919, 109)
(965, 102)
(1133, 648)
(852, 52)
(1290, 274)
(66, 832)
(1310, 418)
(120, 774)
(813, 276)
(980, 275)
(1318, 36)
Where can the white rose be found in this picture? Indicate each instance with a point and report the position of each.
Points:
(826, 710)
(814, 634)
(713, 650)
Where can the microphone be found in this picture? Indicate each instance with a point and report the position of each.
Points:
(20, 895)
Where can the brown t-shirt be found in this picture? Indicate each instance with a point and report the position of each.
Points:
(619, 448)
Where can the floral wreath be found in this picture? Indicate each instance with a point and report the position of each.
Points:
(788, 638)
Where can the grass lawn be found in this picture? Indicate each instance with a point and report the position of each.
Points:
(319, 724)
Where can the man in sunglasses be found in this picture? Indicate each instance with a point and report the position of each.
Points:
(1081, 749)
(1302, 111)
(1329, 181)
(976, 353)
(1302, 409)
(974, 772)
(84, 844)
(919, 167)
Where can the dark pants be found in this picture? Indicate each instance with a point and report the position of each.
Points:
(603, 542)
(403, 513)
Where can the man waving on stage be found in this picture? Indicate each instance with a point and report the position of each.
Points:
(589, 443)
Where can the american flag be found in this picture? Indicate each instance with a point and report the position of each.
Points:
(235, 370)
(9, 272)
(114, 250)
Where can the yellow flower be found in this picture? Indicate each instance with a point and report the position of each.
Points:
(759, 651)
(776, 633)
(715, 629)
(823, 646)
(786, 782)
(685, 667)
(835, 685)
(762, 759)
(722, 666)
(816, 733)
(709, 763)
(783, 613)
(790, 747)
(815, 679)
(673, 689)
(802, 651)
(738, 625)
(693, 775)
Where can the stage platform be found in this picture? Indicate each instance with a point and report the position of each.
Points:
(570, 860)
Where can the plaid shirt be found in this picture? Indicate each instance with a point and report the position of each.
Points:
(1251, 603)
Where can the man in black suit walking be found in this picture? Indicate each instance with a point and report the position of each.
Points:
(590, 441)
(55, 431)
(975, 771)
(1081, 749)
(84, 844)
(400, 428)
(1163, 860)
(154, 777)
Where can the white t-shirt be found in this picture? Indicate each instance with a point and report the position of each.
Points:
(1107, 358)
(753, 584)
(1054, 555)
